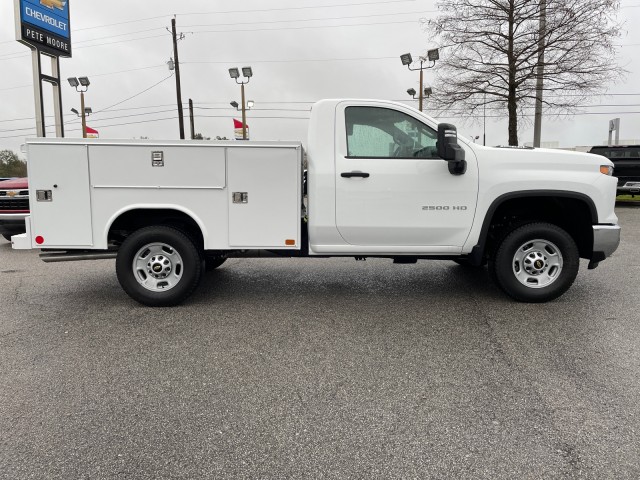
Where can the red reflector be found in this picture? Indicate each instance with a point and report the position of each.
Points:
(39, 240)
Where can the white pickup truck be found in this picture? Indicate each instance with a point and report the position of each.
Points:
(383, 180)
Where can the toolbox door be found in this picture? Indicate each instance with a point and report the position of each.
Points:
(264, 197)
(59, 196)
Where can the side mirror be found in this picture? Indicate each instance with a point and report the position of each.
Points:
(449, 150)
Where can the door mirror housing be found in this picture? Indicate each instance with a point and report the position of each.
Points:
(449, 150)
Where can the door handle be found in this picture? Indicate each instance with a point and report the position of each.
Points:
(354, 174)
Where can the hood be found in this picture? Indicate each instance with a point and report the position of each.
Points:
(14, 184)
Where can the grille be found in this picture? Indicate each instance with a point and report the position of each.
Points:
(22, 193)
(14, 203)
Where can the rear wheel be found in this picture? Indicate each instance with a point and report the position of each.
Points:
(159, 266)
(536, 262)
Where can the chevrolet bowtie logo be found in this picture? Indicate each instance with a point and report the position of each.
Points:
(11, 193)
(59, 4)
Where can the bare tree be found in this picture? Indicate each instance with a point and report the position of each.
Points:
(491, 54)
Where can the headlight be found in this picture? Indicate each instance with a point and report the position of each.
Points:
(606, 170)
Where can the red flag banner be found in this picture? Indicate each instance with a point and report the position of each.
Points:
(237, 125)
(91, 133)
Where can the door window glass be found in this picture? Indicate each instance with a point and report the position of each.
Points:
(375, 132)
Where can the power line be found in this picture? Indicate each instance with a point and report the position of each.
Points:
(14, 55)
(95, 75)
(223, 12)
(317, 19)
(309, 27)
(136, 95)
(223, 62)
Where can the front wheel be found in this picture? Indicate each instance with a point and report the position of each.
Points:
(159, 266)
(536, 262)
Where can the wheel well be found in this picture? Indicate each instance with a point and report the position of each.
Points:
(133, 220)
(574, 215)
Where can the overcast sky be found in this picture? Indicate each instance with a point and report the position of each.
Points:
(300, 51)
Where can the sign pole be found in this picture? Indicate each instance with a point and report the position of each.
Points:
(57, 97)
(44, 27)
(37, 93)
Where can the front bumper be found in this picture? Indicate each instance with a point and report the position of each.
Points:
(12, 222)
(606, 239)
(629, 188)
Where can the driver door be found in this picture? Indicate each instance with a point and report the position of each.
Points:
(391, 187)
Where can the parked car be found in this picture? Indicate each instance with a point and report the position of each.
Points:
(626, 166)
(14, 206)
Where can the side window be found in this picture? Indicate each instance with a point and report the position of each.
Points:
(375, 132)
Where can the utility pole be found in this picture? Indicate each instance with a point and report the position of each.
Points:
(542, 33)
(193, 128)
(484, 126)
(177, 67)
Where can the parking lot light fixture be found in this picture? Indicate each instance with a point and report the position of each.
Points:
(432, 56)
(234, 104)
(412, 92)
(249, 104)
(81, 85)
(247, 73)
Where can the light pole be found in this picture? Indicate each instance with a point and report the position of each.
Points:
(235, 74)
(432, 56)
(81, 85)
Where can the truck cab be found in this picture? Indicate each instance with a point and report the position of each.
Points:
(377, 184)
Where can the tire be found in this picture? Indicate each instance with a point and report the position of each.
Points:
(7, 236)
(213, 261)
(159, 266)
(535, 263)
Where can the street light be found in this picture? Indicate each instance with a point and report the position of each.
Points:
(88, 111)
(81, 85)
(427, 92)
(234, 73)
(236, 105)
(432, 56)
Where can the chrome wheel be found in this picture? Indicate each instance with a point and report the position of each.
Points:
(537, 263)
(158, 267)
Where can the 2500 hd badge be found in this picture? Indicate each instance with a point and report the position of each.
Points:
(441, 208)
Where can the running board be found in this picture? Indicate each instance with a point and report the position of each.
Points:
(62, 256)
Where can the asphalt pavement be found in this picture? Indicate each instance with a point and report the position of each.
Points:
(310, 368)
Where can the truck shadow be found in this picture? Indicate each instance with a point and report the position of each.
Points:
(441, 280)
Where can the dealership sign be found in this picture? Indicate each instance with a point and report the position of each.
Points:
(44, 25)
